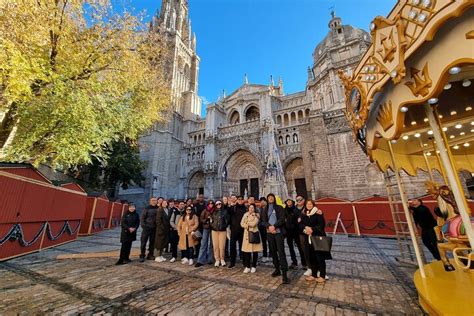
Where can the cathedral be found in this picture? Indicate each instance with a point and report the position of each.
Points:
(256, 136)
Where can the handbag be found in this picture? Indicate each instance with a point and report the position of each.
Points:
(196, 235)
(321, 243)
(254, 237)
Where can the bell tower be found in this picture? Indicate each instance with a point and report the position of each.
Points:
(173, 21)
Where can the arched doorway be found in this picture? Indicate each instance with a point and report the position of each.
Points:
(196, 184)
(242, 172)
(294, 175)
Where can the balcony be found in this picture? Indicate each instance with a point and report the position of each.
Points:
(238, 129)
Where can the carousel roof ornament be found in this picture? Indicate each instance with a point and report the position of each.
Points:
(396, 39)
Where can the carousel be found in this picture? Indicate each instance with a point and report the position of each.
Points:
(410, 104)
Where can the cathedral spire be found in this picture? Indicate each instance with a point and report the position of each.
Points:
(246, 80)
(272, 83)
(310, 74)
(280, 85)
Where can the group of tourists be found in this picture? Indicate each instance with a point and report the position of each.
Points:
(215, 231)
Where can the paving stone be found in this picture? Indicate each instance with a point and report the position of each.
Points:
(364, 279)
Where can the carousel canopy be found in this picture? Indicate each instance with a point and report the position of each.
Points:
(422, 53)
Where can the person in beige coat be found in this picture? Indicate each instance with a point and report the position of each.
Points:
(187, 227)
(250, 250)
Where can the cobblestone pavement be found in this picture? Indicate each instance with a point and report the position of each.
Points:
(364, 279)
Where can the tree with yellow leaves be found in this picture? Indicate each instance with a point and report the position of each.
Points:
(75, 77)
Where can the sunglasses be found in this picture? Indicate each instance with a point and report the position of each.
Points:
(299, 200)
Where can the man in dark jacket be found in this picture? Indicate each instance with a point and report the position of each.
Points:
(292, 233)
(130, 223)
(263, 230)
(148, 223)
(273, 219)
(426, 221)
(236, 213)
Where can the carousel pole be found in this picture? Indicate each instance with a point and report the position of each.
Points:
(450, 172)
(443, 173)
(408, 216)
(428, 167)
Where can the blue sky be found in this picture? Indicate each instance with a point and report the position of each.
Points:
(263, 37)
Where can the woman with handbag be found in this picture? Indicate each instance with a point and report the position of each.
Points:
(252, 243)
(312, 223)
(188, 234)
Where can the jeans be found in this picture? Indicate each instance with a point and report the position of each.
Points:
(148, 234)
(277, 250)
(205, 252)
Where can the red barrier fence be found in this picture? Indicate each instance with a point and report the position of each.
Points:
(34, 214)
(368, 216)
(115, 214)
(96, 215)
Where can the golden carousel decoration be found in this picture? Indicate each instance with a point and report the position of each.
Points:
(410, 104)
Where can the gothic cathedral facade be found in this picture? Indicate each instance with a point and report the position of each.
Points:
(227, 151)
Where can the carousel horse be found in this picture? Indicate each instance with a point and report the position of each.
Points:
(451, 231)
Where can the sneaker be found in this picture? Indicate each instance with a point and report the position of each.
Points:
(264, 259)
(246, 270)
(160, 259)
(120, 262)
(253, 270)
(163, 259)
(190, 262)
(173, 260)
(222, 263)
(231, 265)
(308, 272)
(276, 273)
(142, 259)
(197, 265)
(184, 261)
(217, 264)
(127, 261)
(326, 277)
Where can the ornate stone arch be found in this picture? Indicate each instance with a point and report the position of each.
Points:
(234, 117)
(251, 112)
(229, 154)
(196, 179)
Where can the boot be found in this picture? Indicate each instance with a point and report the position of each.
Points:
(284, 278)
(276, 273)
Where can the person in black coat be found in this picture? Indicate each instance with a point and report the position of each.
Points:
(148, 223)
(163, 229)
(273, 219)
(236, 213)
(130, 224)
(426, 221)
(312, 223)
(292, 233)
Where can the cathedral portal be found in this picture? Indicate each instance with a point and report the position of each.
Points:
(242, 174)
